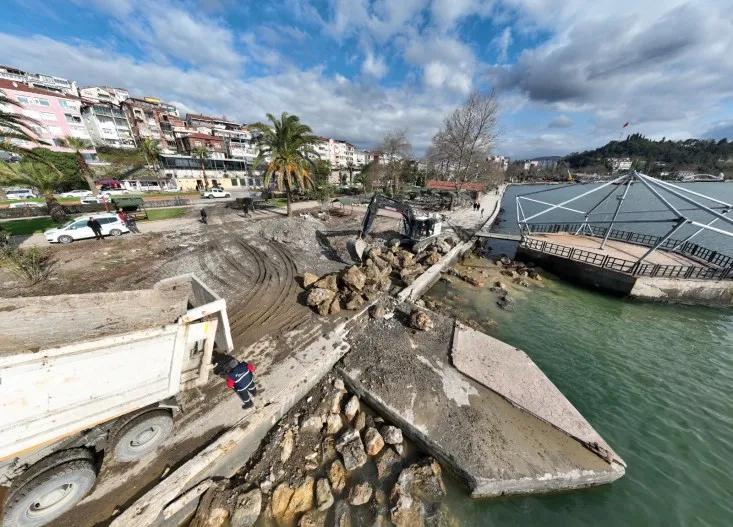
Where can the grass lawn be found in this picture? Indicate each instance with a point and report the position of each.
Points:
(29, 226)
(278, 202)
(166, 214)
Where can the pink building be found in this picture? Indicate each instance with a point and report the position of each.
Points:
(58, 115)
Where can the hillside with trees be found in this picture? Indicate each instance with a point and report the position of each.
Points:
(698, 155)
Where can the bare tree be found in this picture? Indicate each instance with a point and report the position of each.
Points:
(460, 149)
(395, 147)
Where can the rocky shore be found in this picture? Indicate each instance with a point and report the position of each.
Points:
(330, 461)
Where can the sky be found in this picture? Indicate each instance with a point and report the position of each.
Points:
(568, 73)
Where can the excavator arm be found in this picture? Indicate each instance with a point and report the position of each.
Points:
(356, 246)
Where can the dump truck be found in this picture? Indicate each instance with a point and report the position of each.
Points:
(87, 376)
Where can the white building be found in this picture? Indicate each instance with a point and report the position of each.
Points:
(362, 158)
(501, 161)
(339, 153)
(39, 80)
(104, 94)
(107, 125)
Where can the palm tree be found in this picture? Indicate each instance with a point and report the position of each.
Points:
(77, 145)
(350, 167)
(151, 150)
(202, 154)
(288, 145)
(13, 126)
(42, 177)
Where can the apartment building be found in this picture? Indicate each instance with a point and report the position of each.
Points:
(192, 140)
(339, 153)
(39, 80)
(144, 116)
(107, 124)
(104, 94)
(362, 158)
(227, 173)
(57, 116)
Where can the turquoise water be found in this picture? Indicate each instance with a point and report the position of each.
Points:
(655, 380)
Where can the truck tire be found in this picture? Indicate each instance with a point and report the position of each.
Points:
(50, 494)
(142, 435)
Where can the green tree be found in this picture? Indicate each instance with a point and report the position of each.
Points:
(202, 154)
(13, 126)
(41, 177)
(151, 151)
(288, 144)
(322, 171)
(77, 145)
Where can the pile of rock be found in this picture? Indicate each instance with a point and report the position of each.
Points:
(330, 485)
(351, 288)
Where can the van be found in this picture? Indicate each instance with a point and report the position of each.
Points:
(20, 193)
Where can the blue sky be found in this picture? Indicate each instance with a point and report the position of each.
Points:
(568, 73)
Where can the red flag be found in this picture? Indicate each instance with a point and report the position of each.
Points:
(627, 124)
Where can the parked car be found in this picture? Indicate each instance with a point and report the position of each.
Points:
(27, 205)
(172, 190)
(215, 193)
(20, 193)
(77, 229)
(114, 192)
(76, 194)
(89, 200)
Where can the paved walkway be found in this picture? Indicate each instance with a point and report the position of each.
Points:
(467, 220)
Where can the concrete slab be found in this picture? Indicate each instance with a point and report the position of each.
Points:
(495, 447)
(498, 365)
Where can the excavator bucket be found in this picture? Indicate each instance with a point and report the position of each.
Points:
(356, 248)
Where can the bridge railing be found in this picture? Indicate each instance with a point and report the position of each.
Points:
(690, 249)
(628, 266)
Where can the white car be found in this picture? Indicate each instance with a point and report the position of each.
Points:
(172, 190)
(114, 192)
(215, 193)
(76, 194)
(20, 193)
(27, 205)
(90, 200)
(77, 229)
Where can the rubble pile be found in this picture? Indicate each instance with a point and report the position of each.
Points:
(313, 473)
(382, 271)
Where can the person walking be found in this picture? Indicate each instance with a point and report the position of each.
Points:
(241, 379)
(203, 216)
(482, 213)
(96, 227)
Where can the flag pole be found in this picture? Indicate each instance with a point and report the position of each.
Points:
(622, 130)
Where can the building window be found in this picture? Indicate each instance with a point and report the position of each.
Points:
(67, 105)
(23, 100)
(235, 182)
(47, 116)
(42, 102)
(197, 143)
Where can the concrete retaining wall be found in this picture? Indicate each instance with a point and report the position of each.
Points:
(679, 290)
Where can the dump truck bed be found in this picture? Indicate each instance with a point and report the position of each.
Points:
(29, 324)
(70, 362)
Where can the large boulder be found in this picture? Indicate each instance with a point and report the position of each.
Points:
(337, 476)
(352, 407)
(360, 421)
(506, 303)
(373, 441)
(360, 494)
(312, 424)
(324, 496)
(373, 252)
(309, 279)
(373, 274)
(354, 302)
(288, 503)
(247, 509)
(332, 401)
(418, 484)
(391, 434)
(381, 263)
(385, 284)
(317, 296)
(334, 424)
(534, 275)
(335, 306)
(314, 518)
(212, 510)
(420, 320)
(328, 282)
(351, 449)
(353, 278)
(342, 515)
(377, 312)
(431, 258)
(287, 445)
(388, 463)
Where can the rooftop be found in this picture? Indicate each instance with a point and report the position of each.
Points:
(22, 87)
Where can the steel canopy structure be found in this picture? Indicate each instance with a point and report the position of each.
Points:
(665, 193)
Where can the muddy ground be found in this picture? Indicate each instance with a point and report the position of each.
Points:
(254, 263)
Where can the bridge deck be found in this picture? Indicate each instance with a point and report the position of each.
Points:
(617, 249)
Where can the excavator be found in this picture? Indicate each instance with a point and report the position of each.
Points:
(418, 230)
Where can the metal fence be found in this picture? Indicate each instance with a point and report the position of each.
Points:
(627, 266)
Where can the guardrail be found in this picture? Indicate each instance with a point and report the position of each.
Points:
(628, 266)
(647, 240)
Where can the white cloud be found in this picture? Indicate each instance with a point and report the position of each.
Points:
(502, 42)
(561, 121)
(446, 62)
(374, 66)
